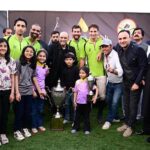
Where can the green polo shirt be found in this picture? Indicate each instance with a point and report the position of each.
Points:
(79, 47)
(36, 45)
(16, 46)
(91, 52)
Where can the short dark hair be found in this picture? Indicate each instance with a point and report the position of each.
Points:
(70, 55)
(93, 26)
(76, 27)
(127, 31)
(138, 28)
(55, 32)
(5, 29)
(20, 19)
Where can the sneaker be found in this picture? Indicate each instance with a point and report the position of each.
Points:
(42, 129)
(0, 144)
(87, 132)
(106, 125)
(4, 139)
(65, 121)
(18, 136)
(116, 120)
(34, 130)
(122, 128)
(26, 132)
(128, 132)
(73, 131)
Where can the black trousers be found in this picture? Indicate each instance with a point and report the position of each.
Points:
(4, 109)
(130, 99)
(146, 103)
(82, 110)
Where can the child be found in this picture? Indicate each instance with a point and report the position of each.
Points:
(38, 102)
(81, 91)
(69, 76)
(24, 79)
(7, 71)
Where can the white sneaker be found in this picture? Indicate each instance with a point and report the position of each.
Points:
(18, 136)
(65, 121)
(4, 139)
(73, 131)
(106, 125)
(87, 132)
(42, 129)
(26, 132)
(34, 130)
(116, 120)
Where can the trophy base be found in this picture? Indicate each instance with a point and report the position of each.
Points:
(57, 124)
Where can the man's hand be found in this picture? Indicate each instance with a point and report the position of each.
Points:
(134, 87)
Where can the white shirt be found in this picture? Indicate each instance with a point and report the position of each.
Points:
(112, 60)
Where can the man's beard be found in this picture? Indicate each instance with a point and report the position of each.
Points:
(34, 35)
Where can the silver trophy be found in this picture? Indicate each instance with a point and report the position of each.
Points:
(90, 84)
(58, 94)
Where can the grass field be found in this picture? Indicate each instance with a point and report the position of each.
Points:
(64, 140)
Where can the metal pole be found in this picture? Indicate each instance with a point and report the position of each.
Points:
(7, 17)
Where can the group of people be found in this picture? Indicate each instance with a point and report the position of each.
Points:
(28, 64)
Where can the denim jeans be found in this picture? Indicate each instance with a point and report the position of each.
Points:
(23, 112)
(37, 112)
(69, 115)
(113, 95)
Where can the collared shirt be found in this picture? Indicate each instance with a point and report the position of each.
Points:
(91, 51)
(36, 44)
(112, 60)
(16, 46)
(79, 47)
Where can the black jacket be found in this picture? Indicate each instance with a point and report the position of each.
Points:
(134, 63)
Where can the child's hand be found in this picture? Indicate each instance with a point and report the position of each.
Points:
(18, 97)
(11, 97)
(34, 94)
(75, 105)
(94, 99)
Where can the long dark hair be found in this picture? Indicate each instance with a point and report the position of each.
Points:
(44, 51)
(23, 59)
(7, 55)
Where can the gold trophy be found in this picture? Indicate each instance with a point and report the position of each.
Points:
(58, 95)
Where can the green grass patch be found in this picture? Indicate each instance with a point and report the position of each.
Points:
(64, 140)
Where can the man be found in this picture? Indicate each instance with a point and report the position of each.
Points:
(56, 57)
(54, 37)
(17, 41)
(114, 76)
(78, 43)
(32, 39)
(7, 32)
(133, 60)
(138, 35)
(95, 64)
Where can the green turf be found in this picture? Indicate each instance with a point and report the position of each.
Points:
(64, 140)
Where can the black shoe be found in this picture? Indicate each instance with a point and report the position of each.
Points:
(141, 132)
(148, 139)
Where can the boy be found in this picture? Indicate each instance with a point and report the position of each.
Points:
(69, 76)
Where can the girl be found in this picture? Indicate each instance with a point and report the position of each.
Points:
(38, 102)
(81, 91)
(7, 71)
(24, 79)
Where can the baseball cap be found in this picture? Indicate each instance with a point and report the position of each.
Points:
(106, 41)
